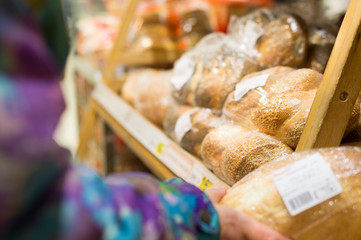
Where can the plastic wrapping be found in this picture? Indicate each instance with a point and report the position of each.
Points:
(192, 22)
(336, 218)
(321, 42)
(273, 37)
(232, 151)
(279, 105)
(151, 31)
(188, 126)
(205, 75)
(149, 90)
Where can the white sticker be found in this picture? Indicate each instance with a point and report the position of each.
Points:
(183, 125)
(306, 183)
(245, 86)
(183, 71)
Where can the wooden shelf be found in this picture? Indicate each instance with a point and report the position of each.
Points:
(164, 157)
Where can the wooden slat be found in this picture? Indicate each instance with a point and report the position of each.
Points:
(86, 132)
(332, 107)
(120, 42)
(147, 157)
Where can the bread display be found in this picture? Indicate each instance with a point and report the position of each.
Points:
(191, 127)
(205, 76)
(232, 151)
(336, 218)
(280, 105)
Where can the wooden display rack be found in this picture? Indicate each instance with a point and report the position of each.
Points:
(325, 127)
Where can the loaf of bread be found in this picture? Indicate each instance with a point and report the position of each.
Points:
(273, 36)
(152, 96)
(171, 119)
(205, 75)
(232, 151)
(130, 86)
(237, 109)
(281, 106)
(337, 218)
(191, 127)
(284, 42)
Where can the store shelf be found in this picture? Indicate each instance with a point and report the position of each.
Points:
(158, 152)
(85, 69)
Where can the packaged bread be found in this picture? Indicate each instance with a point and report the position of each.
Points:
(129, 88)
(232, 151)
(204, 76)
(321, 42)
(277, 102)
(192, 126)
(274, 37)
(152, 96)
(309, 195)
(171, 119)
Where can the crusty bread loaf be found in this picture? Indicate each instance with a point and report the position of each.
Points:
(153, 95)
(218, 81)
(284, 42)
(239, 110)
(280, 108)
(335, 219)
(232, 151)
(129, 88)
(192, 126)
(171, 119)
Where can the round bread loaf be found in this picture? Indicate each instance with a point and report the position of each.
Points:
(232, 152)
(130, 86)
(284, 42)
(153, 95)
(334, 219)
(218, 81)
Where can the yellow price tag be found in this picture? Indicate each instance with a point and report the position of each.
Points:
(205, 184)
(160, 148)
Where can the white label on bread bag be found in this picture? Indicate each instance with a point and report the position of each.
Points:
(183, 125)
(306, 183)
(245, 86)
(183, 71)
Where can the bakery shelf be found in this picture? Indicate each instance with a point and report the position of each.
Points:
(164, 157)
(90, 74)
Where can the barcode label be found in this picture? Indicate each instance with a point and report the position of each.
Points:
(306, 183)
(301, 200)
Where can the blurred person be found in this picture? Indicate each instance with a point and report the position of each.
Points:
(43, 195)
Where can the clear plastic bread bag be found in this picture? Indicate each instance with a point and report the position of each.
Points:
(232, 151)
(152, 96)
(189, 125)
(205, 75)
(277, 102)
(309, 195)
(272, 36)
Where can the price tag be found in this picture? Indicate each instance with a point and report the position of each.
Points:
(306, 183)
(196, 175)
(160, 148)
(245, 86)
(183, 71)
(205, 184)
